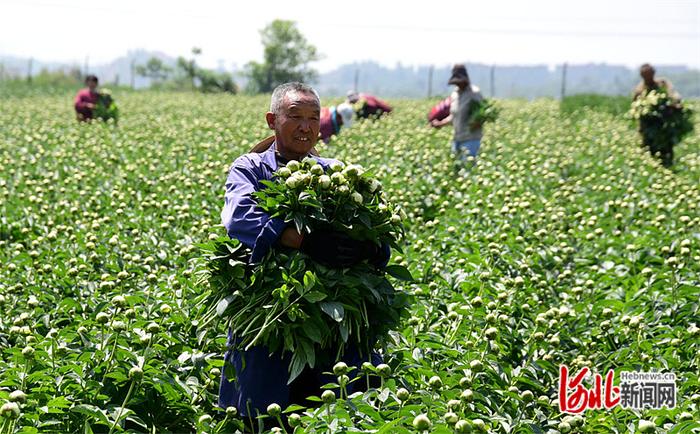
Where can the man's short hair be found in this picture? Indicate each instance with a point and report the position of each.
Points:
(646, 67)
(293, 87)
(91, 77)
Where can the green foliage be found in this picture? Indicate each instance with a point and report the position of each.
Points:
(286, 57)
(44, 83)
(212, 82)
(195, 77)
(106, 109)
(483, 111)
(663, 121)
(291, 304)
(564, 244)
(576, 104)
(155, 69)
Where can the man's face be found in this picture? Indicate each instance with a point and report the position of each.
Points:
(296, 125)
(647, 75)
(91, 84)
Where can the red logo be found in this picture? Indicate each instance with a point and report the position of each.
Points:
(574, 397)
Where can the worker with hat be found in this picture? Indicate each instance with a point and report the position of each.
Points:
(467, 131)
(333, 118)
(367, 105)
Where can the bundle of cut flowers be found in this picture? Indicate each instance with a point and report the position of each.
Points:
(291, 303)
(483, 111)
(106, 108)
(662, 118)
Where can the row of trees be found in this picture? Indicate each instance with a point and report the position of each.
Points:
(286, 57)
(186, 74)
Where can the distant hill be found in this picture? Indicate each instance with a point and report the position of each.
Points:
(412, 81)
(118, 71)
(509, 81)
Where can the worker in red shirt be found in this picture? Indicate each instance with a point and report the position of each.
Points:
(333, 118)
(367, 104)
(86, 99)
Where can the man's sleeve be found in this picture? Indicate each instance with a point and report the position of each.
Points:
(241, 216)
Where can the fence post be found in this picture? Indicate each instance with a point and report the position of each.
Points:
(29, 70)
(132, 72)
(430, 81)
(563, 81)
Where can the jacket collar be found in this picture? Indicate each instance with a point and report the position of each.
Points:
(269, 158)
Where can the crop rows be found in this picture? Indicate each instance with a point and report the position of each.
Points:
(564, 244)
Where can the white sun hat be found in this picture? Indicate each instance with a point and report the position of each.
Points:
(346, 113)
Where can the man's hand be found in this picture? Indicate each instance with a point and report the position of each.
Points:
(90, 105)
(338, 250)
(291, 238)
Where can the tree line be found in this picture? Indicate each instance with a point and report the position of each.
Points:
(286, 57)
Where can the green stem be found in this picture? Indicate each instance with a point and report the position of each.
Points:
(124, 403)
(53, 355)
(109, 365)
(196, 397)
(250, 416)
(279, 422)
(222, 424)
(24, 375)
(268, 323)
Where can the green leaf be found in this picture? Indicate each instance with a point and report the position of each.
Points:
(344, 331)
(309, 280)
(333, 309)
(399, 272)
(391, 427)
(296, 366)
(312, 331)
(59, 402)
(224, 303)
(293, 408)
(309, 353)
(92, 411)
(684, 427)
(314, 296)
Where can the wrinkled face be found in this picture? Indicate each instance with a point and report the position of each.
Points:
(296, 125)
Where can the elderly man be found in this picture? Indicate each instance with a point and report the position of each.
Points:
(662, 148)
(467, 133)
(261, 378)
(368, 105)
(86, 100)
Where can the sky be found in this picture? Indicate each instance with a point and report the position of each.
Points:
(500, 32)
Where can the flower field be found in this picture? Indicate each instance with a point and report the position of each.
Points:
(565, 245)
